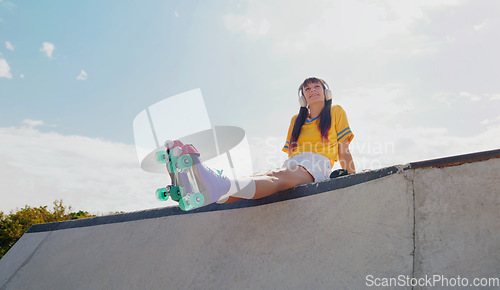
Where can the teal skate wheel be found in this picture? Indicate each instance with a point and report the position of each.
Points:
(176, 193)
(160, 156)
(162, 194)
(184, 162)
(185, 203)
(197, 199)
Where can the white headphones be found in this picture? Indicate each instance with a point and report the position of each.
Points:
(327, 91)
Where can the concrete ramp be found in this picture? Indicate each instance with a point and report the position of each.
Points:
(438, 217)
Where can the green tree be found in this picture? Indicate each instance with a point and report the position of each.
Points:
(14, 225)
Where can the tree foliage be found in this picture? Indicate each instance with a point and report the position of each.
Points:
(14, 225)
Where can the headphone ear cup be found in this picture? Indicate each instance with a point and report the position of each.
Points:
(302, 101)
(328, 94)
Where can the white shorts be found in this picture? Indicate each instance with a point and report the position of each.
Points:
(317, 165)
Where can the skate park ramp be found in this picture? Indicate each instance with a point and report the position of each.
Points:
(437, 218)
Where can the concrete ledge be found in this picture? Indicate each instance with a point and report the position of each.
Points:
(438, 217)
(456, 160)
(293, 193)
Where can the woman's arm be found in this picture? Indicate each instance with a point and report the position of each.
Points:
(345, 157)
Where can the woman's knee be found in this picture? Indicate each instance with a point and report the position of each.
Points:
(293, 176)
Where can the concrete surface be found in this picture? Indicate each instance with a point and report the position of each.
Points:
(457, 213)
(411, 220)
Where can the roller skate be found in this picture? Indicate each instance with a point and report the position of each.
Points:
(193, 184)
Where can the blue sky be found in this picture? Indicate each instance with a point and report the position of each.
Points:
(418, 80)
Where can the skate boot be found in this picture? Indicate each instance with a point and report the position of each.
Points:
(193, 184)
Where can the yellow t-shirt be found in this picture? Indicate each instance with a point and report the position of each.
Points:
(310, 135)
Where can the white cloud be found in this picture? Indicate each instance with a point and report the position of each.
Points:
(176, 14)
(491, 121)
(470, 97)
(483, 26)
(9, 46)
(493, 97)
(9, 6)
(95, 175)
(251, 27)
(4, 69)
(82, 76)
(336, 25)
(21, 76)
(400, 145)
(443, 97)
(33, 123)
(48, 49)
(450, 98)
(383, 103)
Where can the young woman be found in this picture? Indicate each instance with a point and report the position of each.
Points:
(317, 137)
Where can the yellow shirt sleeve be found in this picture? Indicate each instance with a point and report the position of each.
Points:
(342, 125)
(289, 135)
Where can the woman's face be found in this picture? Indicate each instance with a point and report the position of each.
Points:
(314, 93)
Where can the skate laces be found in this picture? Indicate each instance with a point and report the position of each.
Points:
(217, 172)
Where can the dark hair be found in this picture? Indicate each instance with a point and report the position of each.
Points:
(325, 120)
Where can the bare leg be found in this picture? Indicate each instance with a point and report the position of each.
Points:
(278, 180)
